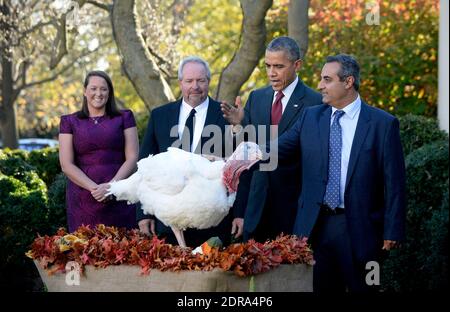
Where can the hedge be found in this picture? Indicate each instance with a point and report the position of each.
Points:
(423, 259)
(416, 131)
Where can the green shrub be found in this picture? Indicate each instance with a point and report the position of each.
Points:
(141, 124)
(27, 209)
(46, 162)
(23, 206)
(427, 175)
(416, 131)
(57, 203)
(418, 264)
(23, 213)
(437, 249)
(17, 153)
(14, 166)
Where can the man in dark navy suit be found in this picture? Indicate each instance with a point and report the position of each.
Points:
(352, 203)
(266, 203)
(189, 121)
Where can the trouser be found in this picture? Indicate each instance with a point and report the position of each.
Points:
(335, 269)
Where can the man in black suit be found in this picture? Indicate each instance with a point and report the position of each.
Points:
(189, 121)
(266, 202)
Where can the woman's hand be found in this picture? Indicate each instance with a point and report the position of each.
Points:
(99, 193)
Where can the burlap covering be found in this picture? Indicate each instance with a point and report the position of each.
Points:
(121, 278)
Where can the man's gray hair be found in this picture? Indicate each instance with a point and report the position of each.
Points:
(193, 59)
(287, 45)
(349, 67)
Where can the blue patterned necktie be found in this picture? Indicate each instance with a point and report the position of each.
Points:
(332, 194)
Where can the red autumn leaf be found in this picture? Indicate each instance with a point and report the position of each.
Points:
(111, 246)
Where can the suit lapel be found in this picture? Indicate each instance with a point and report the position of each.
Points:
(212, 114)
(362, 128)
(324, 130)
(266, 106)
(172, 120)
(293, 107)
(265, 110)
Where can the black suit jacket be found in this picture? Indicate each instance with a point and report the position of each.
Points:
(162, 123)
(273, 195)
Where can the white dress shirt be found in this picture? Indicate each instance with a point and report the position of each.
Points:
(200, 118)
(287, 93)
(348, 123)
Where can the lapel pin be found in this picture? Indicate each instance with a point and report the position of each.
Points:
(295, 105)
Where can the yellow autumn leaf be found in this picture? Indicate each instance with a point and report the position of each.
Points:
(29, 254)
(66, 242)
(421, 93)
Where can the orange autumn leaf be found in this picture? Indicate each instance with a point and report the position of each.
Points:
(103, 246)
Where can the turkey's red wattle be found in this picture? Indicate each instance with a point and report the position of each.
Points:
(232, 170)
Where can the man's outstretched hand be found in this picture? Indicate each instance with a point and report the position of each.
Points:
(234, 114)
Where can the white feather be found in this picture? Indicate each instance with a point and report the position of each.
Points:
(183, 190)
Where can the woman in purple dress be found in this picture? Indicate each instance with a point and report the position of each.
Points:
(97, 145)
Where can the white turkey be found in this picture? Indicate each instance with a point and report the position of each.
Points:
(186, 190)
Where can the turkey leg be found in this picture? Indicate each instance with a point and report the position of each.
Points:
(179, 236)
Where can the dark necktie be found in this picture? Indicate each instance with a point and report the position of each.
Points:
(277, 109)
(332, 194)
(188, 133)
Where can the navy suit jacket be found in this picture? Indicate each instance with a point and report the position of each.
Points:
(374, 197)
(157, 139)
(284, 182)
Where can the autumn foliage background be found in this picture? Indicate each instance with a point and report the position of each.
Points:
(398, 57)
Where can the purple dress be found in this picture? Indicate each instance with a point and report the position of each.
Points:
(99, 151)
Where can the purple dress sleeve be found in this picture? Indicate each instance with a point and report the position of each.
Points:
(65, 126)
(128, 119)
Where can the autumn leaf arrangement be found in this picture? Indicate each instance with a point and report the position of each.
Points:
(103, 246)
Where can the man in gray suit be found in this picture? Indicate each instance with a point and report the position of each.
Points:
(266, 202)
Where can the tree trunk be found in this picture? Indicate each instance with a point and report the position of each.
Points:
(244, 61)
(137, 62)
(298, 23)
(8, 127)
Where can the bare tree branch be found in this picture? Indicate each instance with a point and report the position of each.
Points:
(179, 12)
(137, 62)
(298, 24)
(62, 70)
(33, 4)
(59, 48)
(31, 30)
(106, 7)
(22, 73)
(250, 49)
(161, 60)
